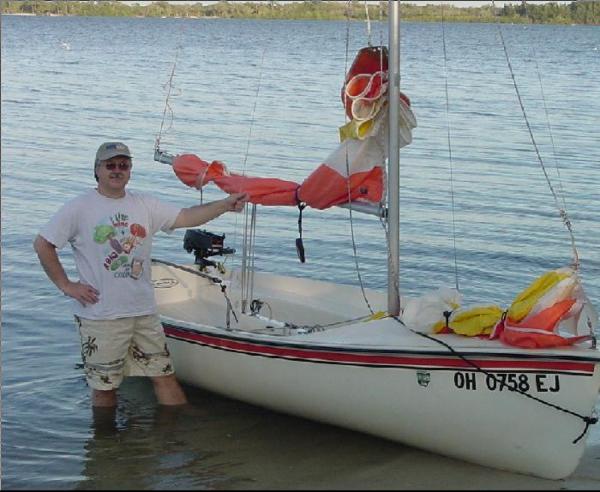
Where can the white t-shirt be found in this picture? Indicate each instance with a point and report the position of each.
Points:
(112, 243)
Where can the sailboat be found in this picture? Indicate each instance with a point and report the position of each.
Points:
(513, 389)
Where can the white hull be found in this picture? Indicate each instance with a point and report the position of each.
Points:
(378, 376)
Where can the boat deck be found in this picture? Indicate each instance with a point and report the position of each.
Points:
(305, 311)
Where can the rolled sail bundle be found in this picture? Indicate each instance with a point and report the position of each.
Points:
(354, 171)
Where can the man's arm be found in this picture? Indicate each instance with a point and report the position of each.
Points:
(199, 214)
(46, 251)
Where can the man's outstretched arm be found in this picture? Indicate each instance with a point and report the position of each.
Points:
(200, 214)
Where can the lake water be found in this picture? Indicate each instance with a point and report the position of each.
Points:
(70, 83)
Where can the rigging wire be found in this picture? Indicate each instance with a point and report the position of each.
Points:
(554, 153)
(247, 270)
(354, 248)
(249, 229)
(561, 210)
(450, 151)
(252, 116)
(249, 252)
(168, 109)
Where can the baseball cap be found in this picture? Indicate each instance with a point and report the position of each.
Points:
(112, 149)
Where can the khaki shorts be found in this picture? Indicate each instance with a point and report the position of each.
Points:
(114, 349)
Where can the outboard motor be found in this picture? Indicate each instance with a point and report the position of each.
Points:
(205, 244)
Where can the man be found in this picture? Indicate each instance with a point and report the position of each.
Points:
(110, 231)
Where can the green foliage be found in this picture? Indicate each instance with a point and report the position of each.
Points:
(577, 12)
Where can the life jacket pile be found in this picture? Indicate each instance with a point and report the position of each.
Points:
(553, 311)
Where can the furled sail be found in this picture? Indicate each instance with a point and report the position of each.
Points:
(354, 171)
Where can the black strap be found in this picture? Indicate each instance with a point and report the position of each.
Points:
(299, 243)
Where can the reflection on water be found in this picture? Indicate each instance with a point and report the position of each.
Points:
(217, 443)
(142, 445)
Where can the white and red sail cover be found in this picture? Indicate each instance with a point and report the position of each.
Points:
(354, 171)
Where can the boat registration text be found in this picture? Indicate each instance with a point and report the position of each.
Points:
(508, 381)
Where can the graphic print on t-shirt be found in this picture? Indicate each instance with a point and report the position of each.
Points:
(120, 240)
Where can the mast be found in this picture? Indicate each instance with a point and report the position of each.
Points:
(394, 159)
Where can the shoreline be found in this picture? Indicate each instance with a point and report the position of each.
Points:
(27, 14)
(472, 21)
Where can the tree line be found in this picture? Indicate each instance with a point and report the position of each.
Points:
(575, 12)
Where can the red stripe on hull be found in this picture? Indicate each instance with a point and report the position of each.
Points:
(348, 357)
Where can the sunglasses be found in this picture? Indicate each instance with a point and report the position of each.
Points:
(123, 166)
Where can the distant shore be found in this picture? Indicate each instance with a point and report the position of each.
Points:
(27, 14)
(577, 12)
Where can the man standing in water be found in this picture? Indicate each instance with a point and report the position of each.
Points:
(110, 230)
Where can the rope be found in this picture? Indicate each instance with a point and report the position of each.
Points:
(201, 180)
(588, 420)
(450, 151)
(562, 211)
(323, 327)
